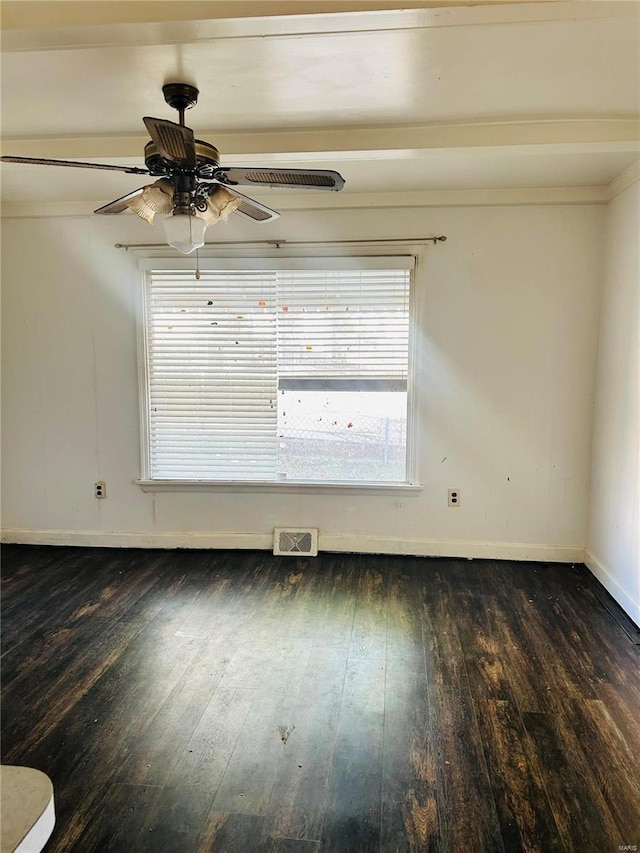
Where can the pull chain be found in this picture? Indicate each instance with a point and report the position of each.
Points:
(197, 266)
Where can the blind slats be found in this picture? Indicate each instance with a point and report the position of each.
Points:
(216, 347)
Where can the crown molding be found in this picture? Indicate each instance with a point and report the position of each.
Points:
(357, 201)
(624, 180)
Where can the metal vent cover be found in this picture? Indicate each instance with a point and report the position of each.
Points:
(295, 541)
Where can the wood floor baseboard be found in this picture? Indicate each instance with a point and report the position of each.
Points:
(332, 542)
(622, 606)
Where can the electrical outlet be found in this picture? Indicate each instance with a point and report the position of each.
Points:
(454, 497)
(100, 489)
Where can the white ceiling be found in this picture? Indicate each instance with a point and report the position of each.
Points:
(445, 98)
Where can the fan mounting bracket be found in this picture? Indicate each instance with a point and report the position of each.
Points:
(180, 96)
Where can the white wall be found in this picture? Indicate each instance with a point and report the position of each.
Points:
(613, 547)
(507, 363)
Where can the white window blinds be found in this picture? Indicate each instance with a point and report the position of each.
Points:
(212, 375)
(343, 324)
(221, 351)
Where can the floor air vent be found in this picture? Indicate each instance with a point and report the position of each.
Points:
(295, 541)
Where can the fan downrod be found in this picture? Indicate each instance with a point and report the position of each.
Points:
(180, 96)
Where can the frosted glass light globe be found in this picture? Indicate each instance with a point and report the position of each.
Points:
(185, 232)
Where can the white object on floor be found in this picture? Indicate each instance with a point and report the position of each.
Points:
(26, 809)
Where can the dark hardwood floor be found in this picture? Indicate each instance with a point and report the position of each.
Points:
(234, 701)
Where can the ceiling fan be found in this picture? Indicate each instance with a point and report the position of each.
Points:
(192, 185)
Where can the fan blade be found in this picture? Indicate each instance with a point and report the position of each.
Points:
(120, 204)
(174, 142)
(39, 161)
(145, 202)
(310, 179)
(253, 209)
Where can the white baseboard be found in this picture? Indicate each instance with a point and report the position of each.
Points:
(624, 598)
(341, 543)
(122, 539)
(454, 548)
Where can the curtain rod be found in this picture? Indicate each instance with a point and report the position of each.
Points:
(278, 243)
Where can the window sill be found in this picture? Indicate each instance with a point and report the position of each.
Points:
(282, 487)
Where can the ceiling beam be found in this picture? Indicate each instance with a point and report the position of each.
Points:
(54, 14)
(565, 136)
(21, 30)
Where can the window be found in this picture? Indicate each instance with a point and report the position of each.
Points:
(278, 371)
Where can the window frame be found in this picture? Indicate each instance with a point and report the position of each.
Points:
(211, 258)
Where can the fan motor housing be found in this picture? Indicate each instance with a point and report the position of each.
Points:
(207, 158)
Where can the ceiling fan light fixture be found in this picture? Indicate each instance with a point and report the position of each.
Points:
(185, 231)
(220, 205)
(155, 198)
(193, 186)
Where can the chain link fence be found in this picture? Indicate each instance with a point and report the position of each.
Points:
(339, 446)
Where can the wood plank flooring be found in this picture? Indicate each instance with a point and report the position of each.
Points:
(196, 701)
